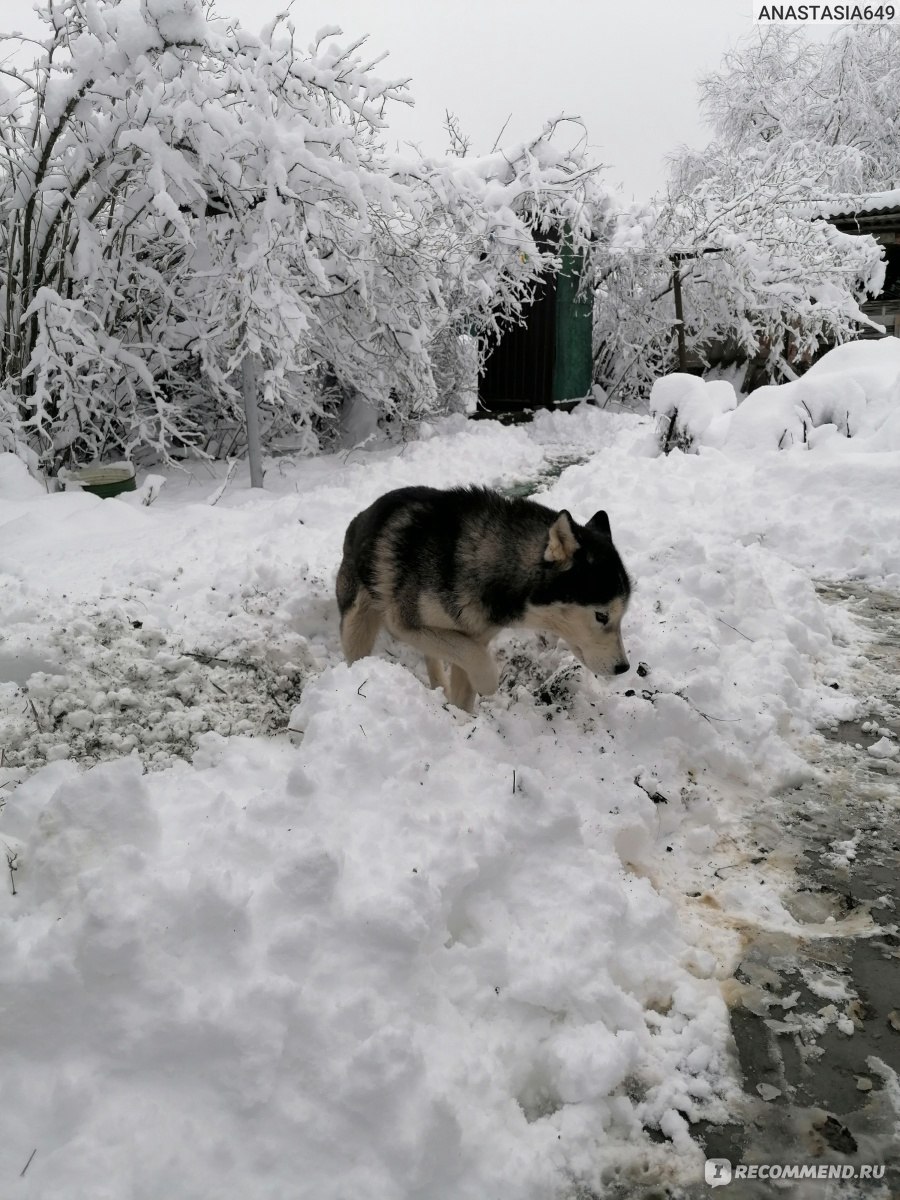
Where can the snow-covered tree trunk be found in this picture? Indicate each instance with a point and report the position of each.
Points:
(250, 392)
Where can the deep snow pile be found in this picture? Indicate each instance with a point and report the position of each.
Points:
(382, 948)
(852, 392)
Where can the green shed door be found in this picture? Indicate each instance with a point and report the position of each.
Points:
(574, 325)
(518, 372)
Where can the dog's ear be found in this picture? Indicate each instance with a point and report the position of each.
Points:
(561, 542)
(599, 523)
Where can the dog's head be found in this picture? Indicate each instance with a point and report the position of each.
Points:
(584, 592)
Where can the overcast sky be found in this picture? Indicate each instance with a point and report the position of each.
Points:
(628, 69)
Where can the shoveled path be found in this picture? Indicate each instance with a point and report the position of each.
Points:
(817, 1021)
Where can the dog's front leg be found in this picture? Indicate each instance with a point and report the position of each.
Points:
(459, 649)
(461, 693)
(481, 669)
(437, 676)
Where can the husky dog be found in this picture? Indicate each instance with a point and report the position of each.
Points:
(445, 571)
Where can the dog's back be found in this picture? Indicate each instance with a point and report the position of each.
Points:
(368, 539)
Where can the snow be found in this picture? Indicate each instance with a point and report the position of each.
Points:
(884, 748)
(826, 984)
(699, 406)
(853, 390)
(288, 928)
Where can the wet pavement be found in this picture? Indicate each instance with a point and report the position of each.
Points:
(816, 1016)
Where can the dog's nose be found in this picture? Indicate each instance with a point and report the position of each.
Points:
(621, 668)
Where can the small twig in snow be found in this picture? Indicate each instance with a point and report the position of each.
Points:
(206, 659)
(656, 797)
(743, 635)
(28, 1164)
(34, 712)
(220, 491)
(701, 713)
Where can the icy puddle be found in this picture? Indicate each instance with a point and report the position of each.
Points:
(816, 1016)
(556, 464)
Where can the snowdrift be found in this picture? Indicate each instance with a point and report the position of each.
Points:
(852, 392)
(379, 948)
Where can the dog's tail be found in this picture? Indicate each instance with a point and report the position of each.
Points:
(348, 580)
(360, 616)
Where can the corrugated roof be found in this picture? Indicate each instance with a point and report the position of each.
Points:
(875, 204)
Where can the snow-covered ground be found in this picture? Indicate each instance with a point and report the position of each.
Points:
(283, 928)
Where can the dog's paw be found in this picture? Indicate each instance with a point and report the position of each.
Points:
(463, 698)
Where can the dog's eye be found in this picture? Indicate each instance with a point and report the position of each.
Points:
(603, 618)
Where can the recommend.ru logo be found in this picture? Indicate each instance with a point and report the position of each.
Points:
(717, 1171)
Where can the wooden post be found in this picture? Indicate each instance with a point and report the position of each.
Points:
(679, 312)
(249, 390)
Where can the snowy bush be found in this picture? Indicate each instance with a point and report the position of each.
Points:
(687, 408)
(177, 194)
(851, 392)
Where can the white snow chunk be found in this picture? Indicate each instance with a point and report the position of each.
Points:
(884, 748)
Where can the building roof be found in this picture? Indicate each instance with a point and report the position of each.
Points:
(849, 208)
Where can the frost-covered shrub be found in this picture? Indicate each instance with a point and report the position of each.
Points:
(851, 392)
(769, 419)
(688, 409)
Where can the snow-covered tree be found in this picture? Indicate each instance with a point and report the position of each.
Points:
(832, 103)
(762, 278)
(177, 194)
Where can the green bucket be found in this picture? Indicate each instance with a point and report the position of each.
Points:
(102, 481)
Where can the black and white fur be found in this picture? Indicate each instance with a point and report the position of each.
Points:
(446, 571)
